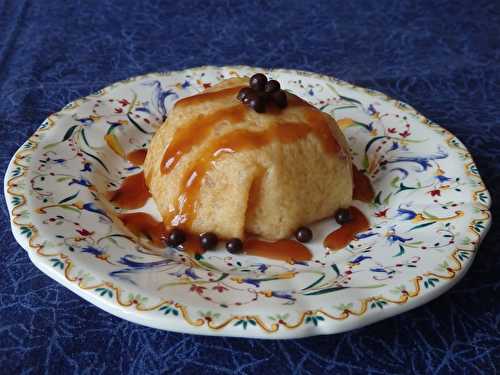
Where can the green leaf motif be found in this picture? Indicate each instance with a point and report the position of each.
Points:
(56, 263)
(379, 304)
(26, 231)
(430, 282)
(71, 197)
(167, 309)
(422, 225)
(325, 291)
(316, 282)
(69, 133)
(104, 292)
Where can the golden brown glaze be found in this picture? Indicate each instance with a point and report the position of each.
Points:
(195, 132)
(144, 224)
(133, 192)
(287, 250)
(341, 237)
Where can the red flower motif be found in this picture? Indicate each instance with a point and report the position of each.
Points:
(381, 213)
(196, 288)
(391, 130)
(220, 288)
(207, 85)
(84, 232)
(124, 102)
(405, 134)
(435, 192)
(118, 110)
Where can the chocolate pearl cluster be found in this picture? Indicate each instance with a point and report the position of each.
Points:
(261, 92)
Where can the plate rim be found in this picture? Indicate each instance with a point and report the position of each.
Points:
(412, 300)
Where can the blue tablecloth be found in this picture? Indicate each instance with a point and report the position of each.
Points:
(442, 57)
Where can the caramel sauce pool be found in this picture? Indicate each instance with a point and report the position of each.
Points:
(140, 223)
(137, 157)
(363, 190)
(287, 250)
(132, 193)
(341, 237)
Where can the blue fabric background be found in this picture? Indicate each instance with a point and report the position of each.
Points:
(442, 57)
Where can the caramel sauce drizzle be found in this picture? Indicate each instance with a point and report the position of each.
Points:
(195, 132)
(140, 223)
(235, 141)
(341, 237)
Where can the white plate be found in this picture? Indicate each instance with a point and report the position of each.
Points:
(428, 219)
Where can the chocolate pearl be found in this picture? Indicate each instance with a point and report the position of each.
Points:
(258, 104)
(250, 94)
(280, 99)
(176, 238)
(272, 86)
(343, 216)
(208, 241)
(243, 93)
(258, 82)
(234, 246)
(304, 234)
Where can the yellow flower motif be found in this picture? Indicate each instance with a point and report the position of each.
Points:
(78, 204)
(94, 117)
(286, 275)
(237, 279)
(345, 122)
(266, 293)
(418, 218)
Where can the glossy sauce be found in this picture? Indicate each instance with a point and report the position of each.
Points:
(137, 157)
(287, 250)
(235, 141)
(144, 224)
(195, 133)
(341, 237)
(133, 192)
(363, 190)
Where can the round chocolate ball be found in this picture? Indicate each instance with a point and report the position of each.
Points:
(280, 99)
(258, 82)
(304, 234)
(258, 104)
(272, 86)
(208, 241)
(243, 93)
(343, 216)
(176, 237)
(249, 95)
(234, 246)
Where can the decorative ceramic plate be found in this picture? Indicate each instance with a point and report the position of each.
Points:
(427, 219)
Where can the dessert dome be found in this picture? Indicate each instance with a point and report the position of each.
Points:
(227, 163)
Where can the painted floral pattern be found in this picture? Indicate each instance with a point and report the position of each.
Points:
(428, 216)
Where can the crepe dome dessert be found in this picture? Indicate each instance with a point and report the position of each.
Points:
(233, 162)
